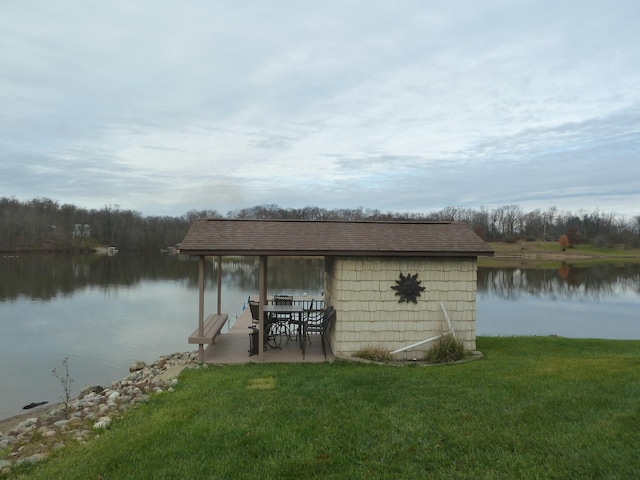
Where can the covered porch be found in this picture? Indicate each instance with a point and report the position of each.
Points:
(232, 347)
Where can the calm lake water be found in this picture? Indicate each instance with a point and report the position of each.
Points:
(105, 312)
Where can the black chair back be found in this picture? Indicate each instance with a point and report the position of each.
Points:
(282, 300)
(255, 311)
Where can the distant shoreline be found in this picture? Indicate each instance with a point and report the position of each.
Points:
(543, 254)
(19, 251)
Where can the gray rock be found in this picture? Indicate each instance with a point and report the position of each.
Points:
(26, 424)
(103, 423)
(140, 399)
(7, 440)
(36, 457)
(95, 405)
(58, 411)
(89, 390)
(139, 365)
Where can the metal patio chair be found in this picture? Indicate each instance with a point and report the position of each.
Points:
(272, 337)
(318, 324)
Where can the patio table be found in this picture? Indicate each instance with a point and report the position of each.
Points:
(274, 310)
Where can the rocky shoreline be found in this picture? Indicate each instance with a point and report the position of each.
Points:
(31, 437)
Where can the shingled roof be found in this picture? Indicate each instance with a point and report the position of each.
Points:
(331, 238)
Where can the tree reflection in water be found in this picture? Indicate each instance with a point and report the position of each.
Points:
(567, 282)
(44, 277)
(579, 302)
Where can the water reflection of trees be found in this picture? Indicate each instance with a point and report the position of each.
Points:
(567, 282)
(283, 274)
(43, 277)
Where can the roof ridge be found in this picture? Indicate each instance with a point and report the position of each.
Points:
(302, 220)
(332, 237)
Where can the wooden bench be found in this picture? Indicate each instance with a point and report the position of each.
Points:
(212, 326)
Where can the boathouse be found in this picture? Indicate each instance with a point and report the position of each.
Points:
(392, 284)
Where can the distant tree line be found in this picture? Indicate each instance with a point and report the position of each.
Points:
(43, 224)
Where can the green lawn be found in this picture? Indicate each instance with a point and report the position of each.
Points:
(533, 407)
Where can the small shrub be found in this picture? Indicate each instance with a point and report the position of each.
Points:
(447, 350)
(563, 241)
(374, 353)
(65, 381)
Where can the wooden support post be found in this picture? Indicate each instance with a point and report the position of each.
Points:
(201, 306)
(262, 280)
(219, 285)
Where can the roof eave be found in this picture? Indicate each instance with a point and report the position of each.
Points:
(334, 253)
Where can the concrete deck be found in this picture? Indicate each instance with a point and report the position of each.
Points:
(233, 347)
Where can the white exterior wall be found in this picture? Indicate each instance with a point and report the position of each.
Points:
(368, 312)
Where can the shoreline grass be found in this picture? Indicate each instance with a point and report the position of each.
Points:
(550, 255)
(532, 407)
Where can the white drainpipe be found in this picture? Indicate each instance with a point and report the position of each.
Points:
(446, 315)
(450, 332)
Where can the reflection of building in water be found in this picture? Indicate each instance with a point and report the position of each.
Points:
(81, 230)
(80, 269)
(243, 274)
(234, 266)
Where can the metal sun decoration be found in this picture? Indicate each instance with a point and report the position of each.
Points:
(408, 288)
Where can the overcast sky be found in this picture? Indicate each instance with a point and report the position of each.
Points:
(407, 106)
